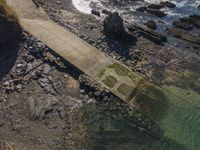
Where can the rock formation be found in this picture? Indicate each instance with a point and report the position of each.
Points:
(113, 26)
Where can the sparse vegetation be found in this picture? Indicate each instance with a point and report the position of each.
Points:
(101, 73)
(119, 69)
(125, 89)
(110, 81)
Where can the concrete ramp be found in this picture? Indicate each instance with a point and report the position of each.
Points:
(120, 80)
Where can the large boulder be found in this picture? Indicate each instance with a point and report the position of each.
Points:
(113, 26)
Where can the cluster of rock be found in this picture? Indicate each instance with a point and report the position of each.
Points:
(155, 8)
(41, 91)
(184, 35)
(186, 23)
(30, 65)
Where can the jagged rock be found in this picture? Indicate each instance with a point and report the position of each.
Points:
(113, 26)
(168, 4)
(151, 24)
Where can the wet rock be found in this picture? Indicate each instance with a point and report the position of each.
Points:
(150, 35)
(192, 19)
(157, 13)
(152, 9)
(151, 24)
(155, 6)
(168, 4)
(196, 20)
(104, 11)
(183, 25)
(184, 35)
(95, 12)
(141, 9)
(113, 26)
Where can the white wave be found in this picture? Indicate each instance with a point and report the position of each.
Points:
(82, 6)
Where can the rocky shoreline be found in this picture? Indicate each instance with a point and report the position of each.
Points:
(39, 96)
(47, 103)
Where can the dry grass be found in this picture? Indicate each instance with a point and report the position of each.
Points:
(7, 11)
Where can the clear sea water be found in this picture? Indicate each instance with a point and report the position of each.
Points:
(179, 117)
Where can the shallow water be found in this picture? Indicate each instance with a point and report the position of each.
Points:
(179, 117)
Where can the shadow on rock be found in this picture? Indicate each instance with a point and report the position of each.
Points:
(11, 35)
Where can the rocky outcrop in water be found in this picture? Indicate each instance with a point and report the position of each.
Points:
(184, 36)
(150, 35)
(113, 26)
